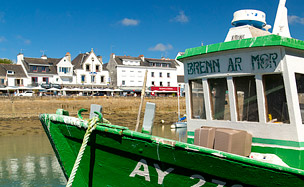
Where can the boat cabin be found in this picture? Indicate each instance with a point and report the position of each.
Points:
(255, 84)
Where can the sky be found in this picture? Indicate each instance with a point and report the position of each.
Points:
(153, 28)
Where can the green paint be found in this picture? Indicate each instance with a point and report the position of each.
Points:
(263, 41)
(116, 154)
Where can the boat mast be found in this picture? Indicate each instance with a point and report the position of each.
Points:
(281, 27)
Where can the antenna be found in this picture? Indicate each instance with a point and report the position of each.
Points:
(43, 52)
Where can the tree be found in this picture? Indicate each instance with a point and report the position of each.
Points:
(5, 61)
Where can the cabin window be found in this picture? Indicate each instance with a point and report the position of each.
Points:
(275, 97)
(246, 98)
(219, 99)
(197, 99)
(300, 89)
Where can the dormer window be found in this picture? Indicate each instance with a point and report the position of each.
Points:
(97, 68)
(43, 69)
(35, 69)
(10, 72)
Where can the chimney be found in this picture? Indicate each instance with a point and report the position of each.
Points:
(142, 57)
(20, 57)
(112, 55)
(44, 57)
(68, 55)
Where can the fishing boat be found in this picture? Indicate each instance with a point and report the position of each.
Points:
(248, 90)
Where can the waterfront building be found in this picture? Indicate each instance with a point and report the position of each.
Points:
(12, 75)
(38, 70)
(65, 71)
(127, 73)
(89, 70)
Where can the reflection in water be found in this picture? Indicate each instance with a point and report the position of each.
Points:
(23, 163)
(30, 160)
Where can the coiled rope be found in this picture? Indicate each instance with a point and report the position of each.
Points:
(91, 126)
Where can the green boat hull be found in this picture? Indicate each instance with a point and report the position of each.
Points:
(117, 156)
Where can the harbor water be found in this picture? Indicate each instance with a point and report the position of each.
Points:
(28, 160)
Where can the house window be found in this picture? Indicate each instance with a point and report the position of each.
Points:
(275, 96)
(160, 74)
(123, 83)
(101, 78)
(83, 79)
(168, 83)
(43, 69)
(45, 79)
(18, 82)
(168, 75)
(35, 69)
(152, 74)
(34, 79)
(65, 70)
(10, 72)
(1, 81)
(88, 67)
(160, 83)
(158, 64)
(92, 78)
(152, 83)
(97, 68)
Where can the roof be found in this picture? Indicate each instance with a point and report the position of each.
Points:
(40, 61)
(51, 62)
(119, 60)
(263, 41)
(17, 69)
(78, 61)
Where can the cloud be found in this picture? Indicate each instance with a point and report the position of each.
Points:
(161, 47)
(24, 40)
(181, 17)
(2, 39)
(295, 19)
(129, 22)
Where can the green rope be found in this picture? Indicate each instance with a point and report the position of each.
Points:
(91, 126)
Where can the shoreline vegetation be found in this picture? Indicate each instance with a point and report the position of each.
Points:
(19, 115)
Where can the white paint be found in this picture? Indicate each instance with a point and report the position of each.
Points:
(201, 181)
(281, 21)
(162, 174)
(144, 173)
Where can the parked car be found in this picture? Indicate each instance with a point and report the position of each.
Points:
(98, 94)
(26, 93)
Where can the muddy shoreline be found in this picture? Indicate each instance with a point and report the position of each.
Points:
(19, 116)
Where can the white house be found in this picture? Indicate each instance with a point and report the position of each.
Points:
(89, 71)
(38, 70)
(12, 75)
(128, 73)
(65, 71)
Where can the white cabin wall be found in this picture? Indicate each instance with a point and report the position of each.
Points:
(294, 64)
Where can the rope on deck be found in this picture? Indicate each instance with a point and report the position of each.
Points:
(91, 126)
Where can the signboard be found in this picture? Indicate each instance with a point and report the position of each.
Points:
(250, 62)
(160, 89)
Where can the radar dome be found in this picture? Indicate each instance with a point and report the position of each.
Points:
(255, 18)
